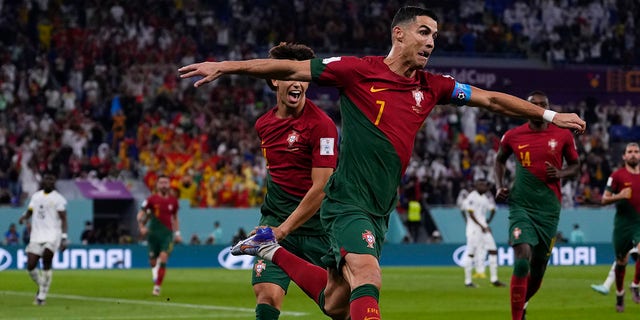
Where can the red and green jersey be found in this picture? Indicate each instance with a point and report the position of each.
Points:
(161, 209)
(381, 115)
(533, 148)
(292, 147)
(619, 180)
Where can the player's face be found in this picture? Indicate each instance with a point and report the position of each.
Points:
(482, 186)
(631, 155)
(163, 185)
(48, 182)
(418, 39)
(291, 94)
(541, 101)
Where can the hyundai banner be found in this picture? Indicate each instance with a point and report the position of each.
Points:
(216, 256)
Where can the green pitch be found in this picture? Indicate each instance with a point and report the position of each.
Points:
(408, 293)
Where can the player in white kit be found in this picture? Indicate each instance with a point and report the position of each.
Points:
(479, 237)
(48, 212)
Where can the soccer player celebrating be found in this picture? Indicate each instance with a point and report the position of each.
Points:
(299, 144)
(48, 212)
(384, 102)
(535, 197)
(479, 236)
(626, 225)
(161, 209)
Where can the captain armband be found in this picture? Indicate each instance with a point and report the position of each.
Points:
(461, 94)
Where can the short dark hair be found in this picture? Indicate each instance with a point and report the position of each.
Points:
(290, 51)
(409, 13)
(537, 93)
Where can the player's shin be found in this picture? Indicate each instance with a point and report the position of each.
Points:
(47, 276)
(364, 302)
(493, 267)
(309, 277)
(518, 287)
(620, 272)
(35, 276)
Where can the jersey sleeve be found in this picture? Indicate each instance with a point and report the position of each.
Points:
(570, 151)
(443, 88)
(505, 142)
(145, 204)
(325, 145)
(335, 71)
(61, 204)
(613, 184)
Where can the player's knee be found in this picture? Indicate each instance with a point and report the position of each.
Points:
(362, 269)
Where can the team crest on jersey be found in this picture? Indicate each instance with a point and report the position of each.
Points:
(418, 96)
(170, 207)
(293, 138)
(516, 233)
(259, 267)
(368, 237)
(553, 144)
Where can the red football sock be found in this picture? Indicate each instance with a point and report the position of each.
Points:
(161, 272)
(309, 277)
(365, 307)
(620, 271)
(518, 296)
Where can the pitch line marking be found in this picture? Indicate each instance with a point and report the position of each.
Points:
(150, 303)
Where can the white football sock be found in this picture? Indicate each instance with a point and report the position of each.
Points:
(35, 276)
(611, 277)
(267, 251)
(493, 267)
(47, 275)
(468, 267)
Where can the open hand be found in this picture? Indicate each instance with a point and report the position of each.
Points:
(570, 121)
(208, 70)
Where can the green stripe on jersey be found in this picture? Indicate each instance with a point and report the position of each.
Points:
(532, 194)
(278, 205)
(369, 168)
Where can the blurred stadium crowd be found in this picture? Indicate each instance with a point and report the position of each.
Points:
(90, 88)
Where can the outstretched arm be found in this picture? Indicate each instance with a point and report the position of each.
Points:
(511, 106)
(262, 68)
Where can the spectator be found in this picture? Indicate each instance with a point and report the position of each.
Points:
(577, 235)
(12, 237)
(560, 238)
(240, 235)
(195, 239)
(88, 235)
(216, 234)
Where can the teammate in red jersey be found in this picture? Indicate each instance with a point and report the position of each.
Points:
(535, 197)
(161, 210)
(384, 102)
(626, 227)
(299, 142)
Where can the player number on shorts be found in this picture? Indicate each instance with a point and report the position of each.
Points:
(525, 159)
(381, 103)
